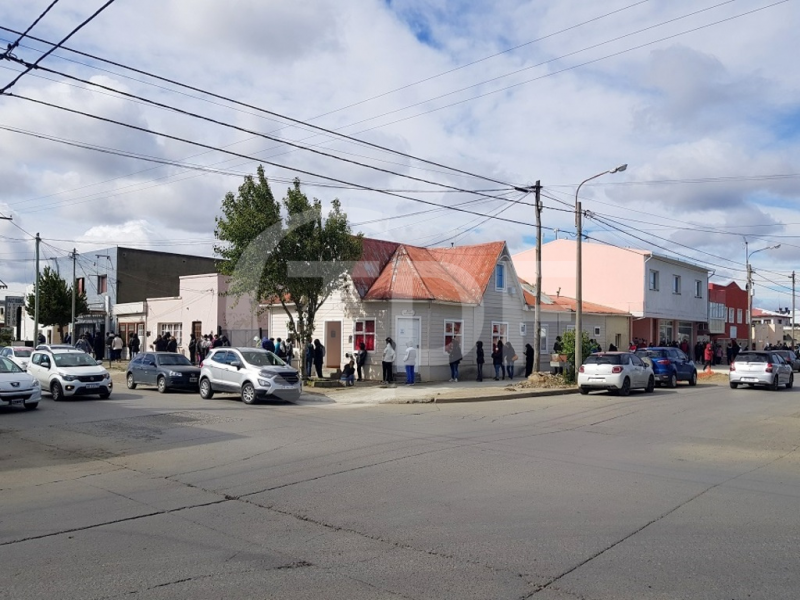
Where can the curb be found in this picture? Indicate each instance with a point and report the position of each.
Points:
(511, 396)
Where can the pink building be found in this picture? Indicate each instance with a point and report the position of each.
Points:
(668, 298)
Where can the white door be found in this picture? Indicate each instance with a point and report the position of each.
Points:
(408, 328)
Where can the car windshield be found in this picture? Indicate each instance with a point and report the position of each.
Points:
(753, 358)
(74, 359)
(7, 366)
(22, 353)
(173, 359)
(262, 359)
(603, 359)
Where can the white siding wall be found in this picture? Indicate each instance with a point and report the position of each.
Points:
(663, 303)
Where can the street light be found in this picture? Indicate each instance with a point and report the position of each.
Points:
(578, 268)
(750, 289)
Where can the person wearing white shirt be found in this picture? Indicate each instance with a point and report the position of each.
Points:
(388, 361)
(410, 359)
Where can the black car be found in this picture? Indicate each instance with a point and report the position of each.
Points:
(165, 370)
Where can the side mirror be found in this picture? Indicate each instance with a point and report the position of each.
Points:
(236, 364)
(99, 362)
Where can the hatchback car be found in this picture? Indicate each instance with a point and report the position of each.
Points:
(670, 365)
(18, 354)
(790, 357)
(165, 370)
(250, 372)
(69, 372)
(760, 368)
(17, 388)
(617, 372)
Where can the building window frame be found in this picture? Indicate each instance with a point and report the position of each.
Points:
(731, 314)
(175, 330)
(453, 330)
(499, 330)
(653, 280)
(102, 284)
(676, 284)
(500, 277)
(739, 315)
(364, 331)
(698, 288)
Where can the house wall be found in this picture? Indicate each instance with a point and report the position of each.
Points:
(144, 274)
(664, 303)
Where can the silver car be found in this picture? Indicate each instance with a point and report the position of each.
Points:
(760, 368)
(252, 373)
(617, 372)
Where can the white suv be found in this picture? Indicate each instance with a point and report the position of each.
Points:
(251, 372)
(69, 372)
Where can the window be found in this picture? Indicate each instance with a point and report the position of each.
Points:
(500, 277)
(733, 332)
(499, 330)
(731, 315)
(174, 329)
(739, 315)
(364, 334)
(543, 340)
(453, 330)
(102, 284)
(654, 280)
(80, 285)
(676, 284)
(596, 331)
(698, 288)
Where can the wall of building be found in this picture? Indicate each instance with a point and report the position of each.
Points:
(664, 303)
(142, 274)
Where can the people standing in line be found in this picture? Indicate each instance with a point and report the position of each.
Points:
(735, 350)
(270, 345)
(479, 358)
(134, 344)
(558, 348)
(280, 349)
(698, 352)
(361, 359)
(387, 364)
(410, 361)
(99, 348)
(224, 341)
(117, 344)
(309, 358)
(172, 342)
(497, 360)
(529, 355)
(83, 345)
(192, 348)
(510, 356)
(454, 357)
(319, 354)
(612, 347)
(289, 351)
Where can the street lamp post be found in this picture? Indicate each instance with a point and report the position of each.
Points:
(579, 267)
(750, 290)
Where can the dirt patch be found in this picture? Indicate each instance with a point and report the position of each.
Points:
(545, 381)
(713, 378)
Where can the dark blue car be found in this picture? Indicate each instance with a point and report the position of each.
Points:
(670, 365)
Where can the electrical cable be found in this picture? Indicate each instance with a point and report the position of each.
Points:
(13, 45)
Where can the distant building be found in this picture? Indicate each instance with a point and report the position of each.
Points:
(768, 327)
(727, 313)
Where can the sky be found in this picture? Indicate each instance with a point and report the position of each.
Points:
(698, 97)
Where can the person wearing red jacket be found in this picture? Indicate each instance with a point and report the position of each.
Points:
(708, 356)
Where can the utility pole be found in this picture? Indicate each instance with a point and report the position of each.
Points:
(36, 297)
(749, 305)
(537, 316)
(793, 302)
(72, 327)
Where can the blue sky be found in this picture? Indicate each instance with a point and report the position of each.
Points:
(707, 120)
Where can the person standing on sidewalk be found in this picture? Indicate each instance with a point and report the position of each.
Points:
(309, 358)
(410, 361)
(479, 358)
(708, 355)
(497, 360)
(529, 356)
(454, 356)
(510, 355)
(319, 354)
(387, 364)
(361, 359)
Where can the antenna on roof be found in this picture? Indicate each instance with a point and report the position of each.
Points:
(452, 244)
(558, 293)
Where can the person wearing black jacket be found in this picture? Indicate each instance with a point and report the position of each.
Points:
(134, 344)
(99, 347)
(497, 360)
(454, 357)
(361, 359)
(529, 356)
(479, 358)
(319, 354)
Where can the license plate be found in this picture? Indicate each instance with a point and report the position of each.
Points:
(749, 379)
(597, 378)
(92, 385)
(16, 401)
(192, 379)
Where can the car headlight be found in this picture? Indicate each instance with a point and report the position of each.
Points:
(66, 377)
(173, 373)
(106, 375)
(35, 383)
(264, 382)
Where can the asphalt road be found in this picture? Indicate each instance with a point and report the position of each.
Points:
(691, 493)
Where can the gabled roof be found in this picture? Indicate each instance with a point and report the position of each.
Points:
(458, 274)
(564, 304)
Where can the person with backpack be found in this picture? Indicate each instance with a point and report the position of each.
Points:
(319, 354)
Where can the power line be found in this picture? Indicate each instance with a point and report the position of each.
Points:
(13, 45)
(55, 47)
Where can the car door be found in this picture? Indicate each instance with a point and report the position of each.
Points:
(136, 369)
(234, 377)
(147, 369)
(39, 367)
(680, 361)
(783, 368)
(640, 369)
(218, 366)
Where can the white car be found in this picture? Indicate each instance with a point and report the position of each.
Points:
(18, 354)
(617, 372)
(69, 372)
(252, 373)
(17, 388)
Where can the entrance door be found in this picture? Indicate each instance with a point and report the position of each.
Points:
(408, 329)
(333, 344)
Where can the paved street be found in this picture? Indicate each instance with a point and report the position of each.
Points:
(691, 493)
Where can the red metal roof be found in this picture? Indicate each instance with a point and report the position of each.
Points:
(563, 304)
(374, 256)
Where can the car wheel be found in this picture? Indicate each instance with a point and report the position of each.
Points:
(673, 381)
(734, 385)
(775, 383)
(162, 384)
(790, 385)
(651, 385)
(584, 390)
(130, 381)
(206, 392)
(31, 406)
(626, 387)
(248, 393)
(56, 391)
(693, 378)
(104, 395)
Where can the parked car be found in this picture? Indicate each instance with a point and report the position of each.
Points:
(18, 354)
(54, 347)
(760, 368)
(69, 372)
(17, 388)
(617, 372)
(670, 365)
(252, 373)
(790, 357)
(165, 370)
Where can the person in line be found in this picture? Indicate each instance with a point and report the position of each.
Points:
(497, 360)
(270, 345)
(309, 358)
(558, 348)
(117, 344)
(454, 357)
(708, 356)
(529, 356)
(612, 347)
(99, 348)
(192, 348)
(410, 361)
(134, 344)
(349, 373)
(510, 356)
(280, 349)
(387, 363)
(83, 345)
(479, 358)
(172, 342)
(319, 354)
(361, 359)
